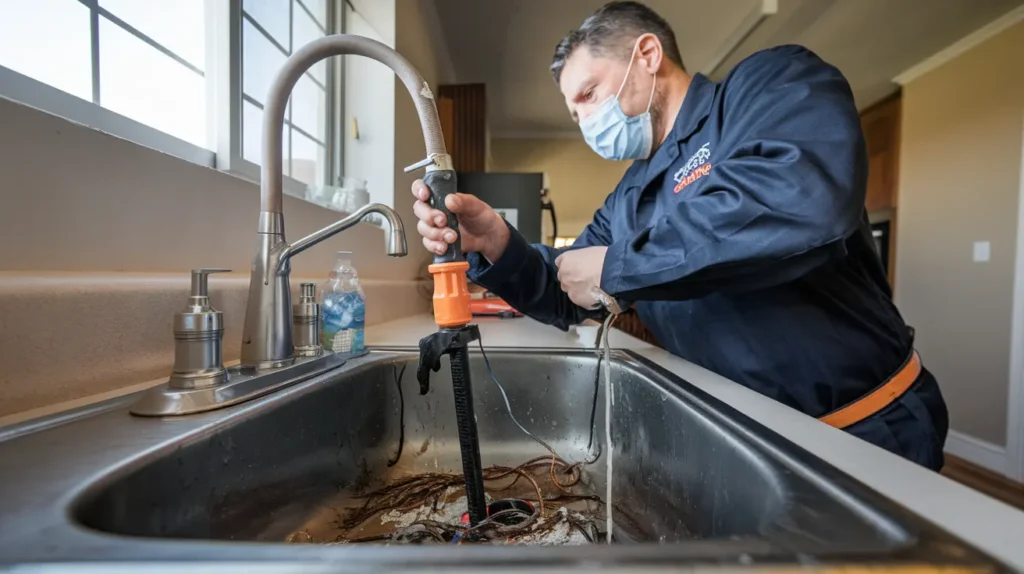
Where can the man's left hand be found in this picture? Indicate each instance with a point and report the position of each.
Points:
(579, 272)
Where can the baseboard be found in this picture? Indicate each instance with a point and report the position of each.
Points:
(977, 451)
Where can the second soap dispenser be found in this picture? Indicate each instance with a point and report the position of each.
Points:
(306, 322)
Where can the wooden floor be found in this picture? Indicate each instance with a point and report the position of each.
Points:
(995, 485)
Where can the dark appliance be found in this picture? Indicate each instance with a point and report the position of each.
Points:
(516, 196)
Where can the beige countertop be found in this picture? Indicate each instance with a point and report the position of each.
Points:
(985, 522)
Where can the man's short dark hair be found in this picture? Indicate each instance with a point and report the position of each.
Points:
(613, 29)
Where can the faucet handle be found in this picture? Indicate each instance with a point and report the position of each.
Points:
(200, 280)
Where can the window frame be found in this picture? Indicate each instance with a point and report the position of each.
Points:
(223, 74)
(228, 97)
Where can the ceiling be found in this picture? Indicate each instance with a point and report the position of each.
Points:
(507, 44)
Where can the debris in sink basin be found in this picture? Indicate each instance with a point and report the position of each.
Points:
(428, 508)
(443, 511)
(444, 524)
(569, 529)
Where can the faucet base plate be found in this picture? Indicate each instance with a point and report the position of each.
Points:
(243, 384)
(269, 365)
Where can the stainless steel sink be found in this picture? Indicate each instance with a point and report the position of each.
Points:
(695, 482)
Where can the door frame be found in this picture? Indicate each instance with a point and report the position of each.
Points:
(1015, 404)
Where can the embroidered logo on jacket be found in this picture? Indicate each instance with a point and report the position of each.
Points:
(696, 167)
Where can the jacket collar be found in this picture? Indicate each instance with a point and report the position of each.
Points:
(695, 109)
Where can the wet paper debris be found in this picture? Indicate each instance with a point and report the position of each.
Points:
(555, 508)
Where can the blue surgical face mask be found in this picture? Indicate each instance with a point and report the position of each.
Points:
(613, 134)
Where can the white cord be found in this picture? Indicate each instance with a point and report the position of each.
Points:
(608, 402)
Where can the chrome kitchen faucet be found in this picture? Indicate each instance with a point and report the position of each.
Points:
(269, 359)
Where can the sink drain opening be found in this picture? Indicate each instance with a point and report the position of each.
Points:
(509, 511)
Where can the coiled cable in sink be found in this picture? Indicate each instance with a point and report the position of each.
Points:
(605, 358)
(555, 458)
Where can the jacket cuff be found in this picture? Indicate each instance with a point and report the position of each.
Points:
(493, 274)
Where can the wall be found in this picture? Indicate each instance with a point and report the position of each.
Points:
(578, 178)
(960, 166)
(97, 235)
(75, 199)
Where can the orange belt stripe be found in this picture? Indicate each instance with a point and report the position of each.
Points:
(877, 399)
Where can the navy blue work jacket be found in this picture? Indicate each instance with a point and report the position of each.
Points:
(743, 240)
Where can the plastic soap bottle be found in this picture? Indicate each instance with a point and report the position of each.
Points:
(343, 309)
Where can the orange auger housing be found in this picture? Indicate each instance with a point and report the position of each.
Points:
(451, 294)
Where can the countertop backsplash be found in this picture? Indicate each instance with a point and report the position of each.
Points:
(69, 335)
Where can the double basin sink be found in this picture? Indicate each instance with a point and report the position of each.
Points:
(694, 481)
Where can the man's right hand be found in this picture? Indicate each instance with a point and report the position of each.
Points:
(483, 230)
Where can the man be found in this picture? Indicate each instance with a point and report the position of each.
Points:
(739, 231)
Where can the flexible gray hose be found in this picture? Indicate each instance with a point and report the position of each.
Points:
(609, 401)
(337, 45)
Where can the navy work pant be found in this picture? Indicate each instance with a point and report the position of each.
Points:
(914, 426)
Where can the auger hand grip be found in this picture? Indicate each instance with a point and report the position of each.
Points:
(443, 183)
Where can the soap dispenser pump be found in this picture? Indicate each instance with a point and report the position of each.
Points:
(198, 338)
(306, 322)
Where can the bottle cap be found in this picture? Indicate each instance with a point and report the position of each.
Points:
(344, 259)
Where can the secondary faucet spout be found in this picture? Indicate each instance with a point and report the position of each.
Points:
(394, 240)
(267, 334)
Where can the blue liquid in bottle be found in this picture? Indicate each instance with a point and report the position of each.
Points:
(343, 309)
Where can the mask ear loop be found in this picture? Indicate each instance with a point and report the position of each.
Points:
(628, 69)
(650, 101)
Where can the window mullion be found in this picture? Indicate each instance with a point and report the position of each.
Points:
(333, 131)
(266, 33)
(117, 21)
(224, 80)
(94, 42)
(316, 20)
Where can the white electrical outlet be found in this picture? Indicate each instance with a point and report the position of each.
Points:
(982, 251)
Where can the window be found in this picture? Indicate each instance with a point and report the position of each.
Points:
(142, 60)
(564, 242)
(271, 31)
(195, 70)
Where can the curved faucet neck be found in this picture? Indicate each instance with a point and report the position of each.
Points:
(271, 170)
